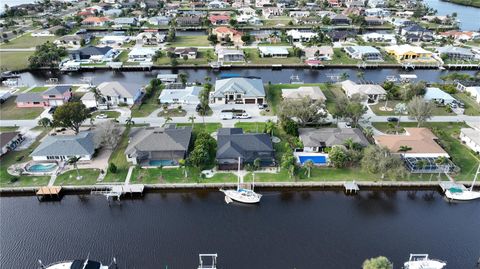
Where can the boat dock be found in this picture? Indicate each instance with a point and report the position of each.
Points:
(116, 191)
(49, 192)
(445, 185)
(351, 187)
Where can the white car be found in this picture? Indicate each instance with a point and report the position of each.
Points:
(244, 116)
(226, 116)
(101, 116)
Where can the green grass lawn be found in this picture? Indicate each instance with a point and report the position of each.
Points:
(251, 127)
(253, 57)
(89, 177)
(13, 157)
(341, 57)
(147, 106)
(202, 58)
(110, 114)
(448, 133)
(191, 41)
(123, 56)
(437, 111)
(14, 60)
(5, 129)
(10, 111)
(472, 108)
(38, 89)
(208, 127)
(176, 175)
(119, 159)
(27, 41)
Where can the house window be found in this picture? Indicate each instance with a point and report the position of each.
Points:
(219, 98)
(51, 96)
(239, 96)
(125, 100)
(36, 103)
(109, 98)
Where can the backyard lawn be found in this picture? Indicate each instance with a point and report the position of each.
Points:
(5, 129)
(204, 56)
(437, 110)
(448, 132)
(472, 108)
(176, 175)
(14, 60)
(172, 112)
(10, 111)
(253, 57)
(38, 89)
(119, 159)
(89, 177)
(191, 41)
(341, 57)
(27, 41)
(13, 157)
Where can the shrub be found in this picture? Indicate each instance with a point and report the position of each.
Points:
(19, 158)
(290, 127)
(112, 168)
(14, 179)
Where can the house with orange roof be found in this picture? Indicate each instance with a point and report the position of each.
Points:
(219, 19)
(460, 35)
(226, 34)
(95, 21)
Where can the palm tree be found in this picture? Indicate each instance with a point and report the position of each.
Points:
(183, 78)
(269, 126)
(309, 165)
(404, 148)
(192, 119)
(421, 164)
(368, 131)
(183, 165)
(441, 162)
(349, 143)
(167, 120)
(96, 93)
(256, 163)
(344, 76)
(73, 161)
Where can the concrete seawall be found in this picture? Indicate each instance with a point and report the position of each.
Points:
(328, 185)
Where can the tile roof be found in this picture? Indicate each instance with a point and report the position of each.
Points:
(421, 140)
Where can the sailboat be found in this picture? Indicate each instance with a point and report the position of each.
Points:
(242, 195)
(464, 195)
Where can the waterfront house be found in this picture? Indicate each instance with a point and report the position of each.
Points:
(269, 12)
(460, 35)
(150, 38)
(112, 94)
(436, 95)
(313, 93)
(416, 33)
(188, 95)
(421, 144)
(159, 20)
(471, 138)
(233, 144)
(114, 40)
(247, 11)
(456, 53)
(158, 146)
(189, 21)
(409, 53)
(96, 21)
(230, 55)
(226, 34)
(340, 19)
(73, 40)
(219, 19)
(125, 21)
(189, 53)
(215, 4)
(377, 3)
(318, 53)
(262, 3)
(93, 53)
(64, 147)
(238, 91)
(365, 53)
(372, 21)
(4, 95)
(274, 52)
(372, 92)
(341, 35)
(300, 36)
(9, 141)
(471, 88)
(113, 12)
(53, 96)
(139, 54)
(376, 12)
(316, 141)
(47, 32)
(299, 13)
(380, 38)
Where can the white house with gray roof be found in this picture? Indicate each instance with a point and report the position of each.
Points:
(63, 147)
(238, 91)
(366, 53)
(372, 92)
(189, 96)
(158, 146)
(112, 94)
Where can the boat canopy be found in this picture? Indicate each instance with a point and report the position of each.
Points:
(80, 264)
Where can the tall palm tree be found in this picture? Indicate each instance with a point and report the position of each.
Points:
(97, 94)
(309, 165)
(73, 161)
(404, 148)
(167, 120)
(269, 127)
(192, 120)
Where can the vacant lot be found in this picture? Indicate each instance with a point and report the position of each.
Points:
(191, 41)
(14, 60)
(10, 111)
(437, 111)
(88, 177)
(27, 41)
(253, 57)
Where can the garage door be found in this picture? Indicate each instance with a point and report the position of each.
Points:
(249, 101)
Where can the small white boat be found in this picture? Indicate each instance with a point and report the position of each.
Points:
(464, 195)
(75, 264)
(242, 195)
(421, 261)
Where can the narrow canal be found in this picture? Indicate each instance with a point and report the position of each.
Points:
(309, 229)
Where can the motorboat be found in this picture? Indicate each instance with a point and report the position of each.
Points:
(241, 194)
(421, 261)
(75, 264)
(464, 195)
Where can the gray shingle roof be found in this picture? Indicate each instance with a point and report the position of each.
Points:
(312, 137)
(159, 139)
(5, 138)
(114, 88)
(233, 143)
(66, 145)
(29, 97)
(57, 90)
(248, 86)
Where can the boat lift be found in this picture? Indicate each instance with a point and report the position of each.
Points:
(208, 264)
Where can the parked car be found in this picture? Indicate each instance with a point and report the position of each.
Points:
(262, 106)
(52, 110)
(348, 125)
(101, 116)
(243, 116)
(392, 119)
(226, 116)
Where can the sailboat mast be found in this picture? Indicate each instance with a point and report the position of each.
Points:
(475, 178)
(239, 176)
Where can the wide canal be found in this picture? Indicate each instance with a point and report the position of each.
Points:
(303, 229)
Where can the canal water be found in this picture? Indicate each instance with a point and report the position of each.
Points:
(305, 229)
(467, 15)
(140, 78)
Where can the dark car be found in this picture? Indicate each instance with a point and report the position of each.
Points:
(52, 110)
(392, 119)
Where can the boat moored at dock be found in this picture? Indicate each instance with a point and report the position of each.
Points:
(421, 261)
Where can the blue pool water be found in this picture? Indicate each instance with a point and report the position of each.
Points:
(42, 167)
(161, 163)
(315, 159)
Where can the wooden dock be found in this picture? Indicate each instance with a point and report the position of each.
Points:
(49, 192)
(445, 185)
(351, 187)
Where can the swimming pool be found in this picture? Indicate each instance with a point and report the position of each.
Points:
(161, 163)
(41, 167)
(315, 159)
